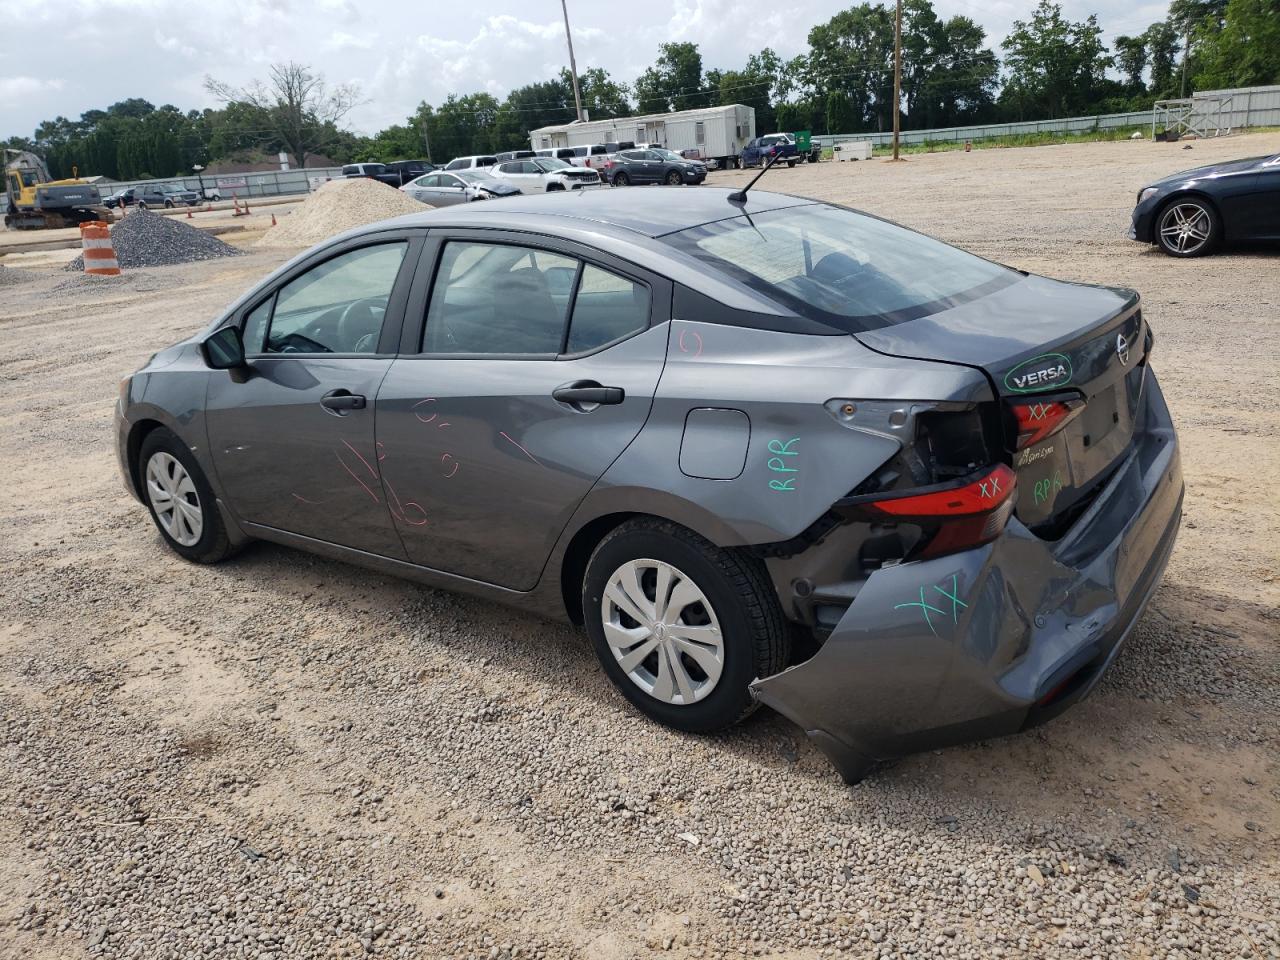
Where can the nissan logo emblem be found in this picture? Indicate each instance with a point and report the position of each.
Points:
(1122, 349)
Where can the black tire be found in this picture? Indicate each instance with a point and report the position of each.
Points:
(213, 545)
(791, 164)
(756, 640)
(621, 180)
(168, 204)
(1192, 210)
(674, 179)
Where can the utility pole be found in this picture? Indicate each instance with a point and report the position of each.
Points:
(573, 64)
(1186, 45)
(426, 140)
(897, 76)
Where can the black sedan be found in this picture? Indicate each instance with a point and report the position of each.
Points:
(652, 166)
(1191, 213)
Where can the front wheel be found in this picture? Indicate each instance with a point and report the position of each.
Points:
(673, 179)
(681, 626)
(1188, 228)
(168, 204)
(181, 501)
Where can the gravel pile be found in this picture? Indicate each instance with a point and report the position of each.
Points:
(11, 276)
(145, 239)
(337, 206)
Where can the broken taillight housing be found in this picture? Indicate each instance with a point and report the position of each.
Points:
(954, 516)
(1041, 417)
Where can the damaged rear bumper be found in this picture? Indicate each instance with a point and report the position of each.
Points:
(993, 640)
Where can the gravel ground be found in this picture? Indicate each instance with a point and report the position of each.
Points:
(146, 239)
(287, 757)
(337, 206)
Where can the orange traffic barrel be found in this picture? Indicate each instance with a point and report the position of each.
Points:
(99, 255)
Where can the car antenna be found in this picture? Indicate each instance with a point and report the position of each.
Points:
(740, 196)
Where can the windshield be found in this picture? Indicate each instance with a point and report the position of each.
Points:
(550, 163)
(845, 269)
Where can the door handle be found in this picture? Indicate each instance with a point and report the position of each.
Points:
(588, 391)
(340, 401)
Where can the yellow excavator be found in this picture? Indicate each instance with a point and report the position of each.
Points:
(37, 202)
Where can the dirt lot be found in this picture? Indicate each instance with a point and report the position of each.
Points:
(288, 757)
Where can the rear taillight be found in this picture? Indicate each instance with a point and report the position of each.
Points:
(1038, 419)
(954, 516)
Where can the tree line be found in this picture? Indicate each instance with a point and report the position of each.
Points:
(1049, 66)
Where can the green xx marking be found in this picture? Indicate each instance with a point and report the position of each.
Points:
(953, 595)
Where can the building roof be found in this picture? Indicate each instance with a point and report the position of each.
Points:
(643, 118)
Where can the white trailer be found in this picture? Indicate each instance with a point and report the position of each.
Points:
(716, 133)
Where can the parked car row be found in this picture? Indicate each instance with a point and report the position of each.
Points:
(395, 174)
(152, 195)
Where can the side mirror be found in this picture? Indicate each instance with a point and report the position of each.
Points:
(224, 349)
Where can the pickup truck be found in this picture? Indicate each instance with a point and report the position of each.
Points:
(759, 150)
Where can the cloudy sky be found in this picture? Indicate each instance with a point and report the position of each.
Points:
(101, 51)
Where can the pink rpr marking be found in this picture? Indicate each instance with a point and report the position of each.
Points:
(354, 477)
(449, 456)
(399, 511)
(420, 403)
(382, 454)
(314, 503)
(372, 472)
(522, 449)
(693, 333)
(439, 425)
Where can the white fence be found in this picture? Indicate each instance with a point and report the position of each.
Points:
(1247, 107)
(270, 183)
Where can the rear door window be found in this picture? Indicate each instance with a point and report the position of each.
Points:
(499, 299)
(607, 308)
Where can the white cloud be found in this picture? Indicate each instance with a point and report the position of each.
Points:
(401, 59)
(13, 90)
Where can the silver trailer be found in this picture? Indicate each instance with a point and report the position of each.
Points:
(715, 133)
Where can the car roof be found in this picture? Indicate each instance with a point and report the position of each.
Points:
(650, 213)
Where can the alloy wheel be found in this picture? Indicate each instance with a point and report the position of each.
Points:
(1185, 227)
(173, 496)
(662, 630)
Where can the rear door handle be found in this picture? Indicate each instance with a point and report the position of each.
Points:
(340, 401)
(588, 391)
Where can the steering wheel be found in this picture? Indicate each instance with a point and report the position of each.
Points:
(359, 325)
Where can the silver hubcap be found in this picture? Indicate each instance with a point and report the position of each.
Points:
(174, 499)
(1185, 227)
(663, 631)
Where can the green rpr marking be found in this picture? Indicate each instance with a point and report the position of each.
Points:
(1047, 487)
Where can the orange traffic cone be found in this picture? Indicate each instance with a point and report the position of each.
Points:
(273, 219)
(99, 255)
(188, 213)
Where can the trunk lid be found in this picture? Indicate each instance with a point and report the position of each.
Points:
(1040, 339)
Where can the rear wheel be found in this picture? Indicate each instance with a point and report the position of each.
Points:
(673, 179)
(621, 180)
(681, 626)
(181, 501)
(1188, 227)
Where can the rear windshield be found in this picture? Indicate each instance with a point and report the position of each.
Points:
(845, 269)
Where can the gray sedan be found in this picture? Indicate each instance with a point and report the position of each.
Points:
(766, 450)
(443, 189)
